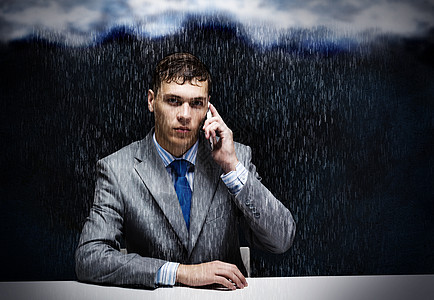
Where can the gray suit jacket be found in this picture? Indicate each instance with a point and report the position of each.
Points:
(135, 200)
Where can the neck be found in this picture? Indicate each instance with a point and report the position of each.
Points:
(176, 151)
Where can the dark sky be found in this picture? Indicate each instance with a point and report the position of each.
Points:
(79, 21)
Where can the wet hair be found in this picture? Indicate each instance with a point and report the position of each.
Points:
(179, 68)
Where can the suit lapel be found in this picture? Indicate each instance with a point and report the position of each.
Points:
(206, 179)
(151, 170)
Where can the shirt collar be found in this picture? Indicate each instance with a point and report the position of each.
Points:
(167, 158)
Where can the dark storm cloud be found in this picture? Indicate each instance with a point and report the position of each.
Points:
(79, 20)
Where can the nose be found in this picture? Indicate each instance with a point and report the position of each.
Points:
(184, 113)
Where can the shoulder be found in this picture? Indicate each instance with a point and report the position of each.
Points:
(123, 156)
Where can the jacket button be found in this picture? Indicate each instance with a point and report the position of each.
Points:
(256, 215)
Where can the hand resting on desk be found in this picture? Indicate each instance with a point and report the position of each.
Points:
(210, 273)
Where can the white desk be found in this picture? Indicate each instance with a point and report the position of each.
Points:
(414, 287)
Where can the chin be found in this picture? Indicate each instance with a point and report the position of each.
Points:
(185, 141)
(182, 143)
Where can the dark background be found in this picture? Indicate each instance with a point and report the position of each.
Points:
(342, 132)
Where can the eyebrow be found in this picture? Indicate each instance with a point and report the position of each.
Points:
(166, 96)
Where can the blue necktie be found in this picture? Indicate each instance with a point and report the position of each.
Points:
(182, 187)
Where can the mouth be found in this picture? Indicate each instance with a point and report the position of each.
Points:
(182, 129)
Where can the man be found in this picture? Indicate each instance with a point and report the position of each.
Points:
(175, 201)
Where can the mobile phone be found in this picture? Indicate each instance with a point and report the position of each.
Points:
(209, 116)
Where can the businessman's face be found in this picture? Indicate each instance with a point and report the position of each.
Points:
(179, 110)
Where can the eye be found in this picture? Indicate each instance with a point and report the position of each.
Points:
(173, 101)
(196, 103)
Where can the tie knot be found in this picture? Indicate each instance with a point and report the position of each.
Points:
(180, 166)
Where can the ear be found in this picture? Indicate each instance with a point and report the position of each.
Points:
(151, 100)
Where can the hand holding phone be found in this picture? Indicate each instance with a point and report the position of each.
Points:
(221, 140)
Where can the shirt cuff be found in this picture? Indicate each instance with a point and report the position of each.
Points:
(166, 275)
(235, 180)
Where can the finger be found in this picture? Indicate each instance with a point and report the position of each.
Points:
(234, 277)
(214, 111)
(225, 282)
(209, 121)
(206, 129)
(214, 142)
(237, 272)
(215, 114)
(233, 273)
(211, 130)
(240, 275)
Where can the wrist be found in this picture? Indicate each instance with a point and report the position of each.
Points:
(180, 274)
(230, 166)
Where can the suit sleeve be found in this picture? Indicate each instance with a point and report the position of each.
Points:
(98, 259)
(266, 222)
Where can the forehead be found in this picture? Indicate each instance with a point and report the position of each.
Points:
(188, 89)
